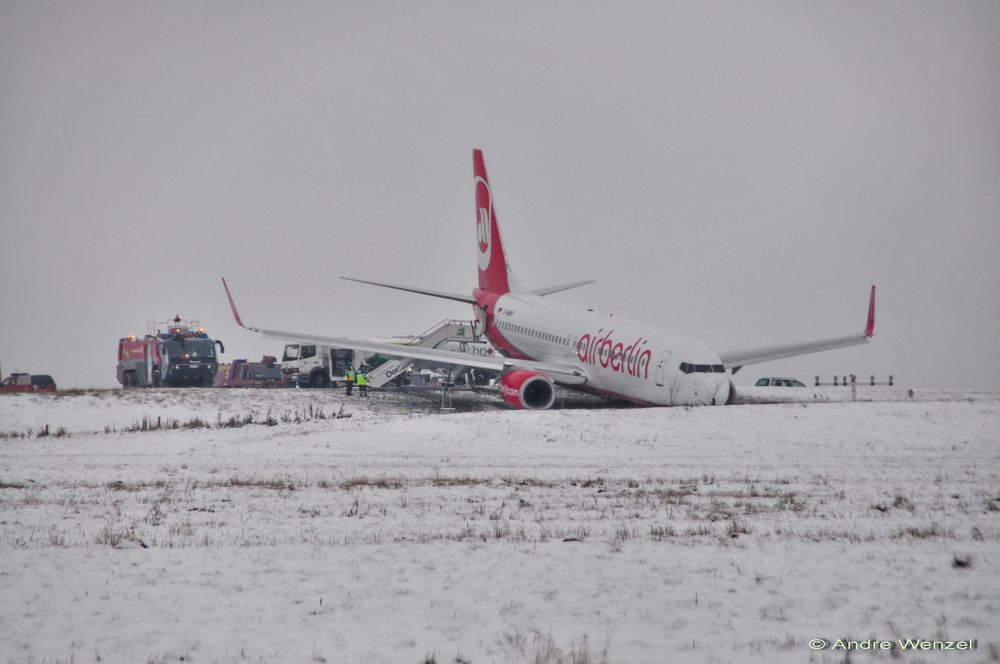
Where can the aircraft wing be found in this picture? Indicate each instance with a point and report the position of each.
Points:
(564, 375)
(738, 358)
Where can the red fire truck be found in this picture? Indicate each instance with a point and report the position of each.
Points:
(172, 354)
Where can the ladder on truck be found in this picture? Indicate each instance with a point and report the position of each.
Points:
(448, 331)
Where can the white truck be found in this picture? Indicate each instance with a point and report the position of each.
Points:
(315, 365)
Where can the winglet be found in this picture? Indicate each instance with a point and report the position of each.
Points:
(870, 327)
(232, 305)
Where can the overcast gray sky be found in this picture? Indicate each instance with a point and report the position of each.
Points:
(737, 171)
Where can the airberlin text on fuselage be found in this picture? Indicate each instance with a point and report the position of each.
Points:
(632, 360)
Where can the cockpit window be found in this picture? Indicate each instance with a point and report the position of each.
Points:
(687, 368)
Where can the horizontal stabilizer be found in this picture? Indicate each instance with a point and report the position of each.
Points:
(447, 296)
(563, 287)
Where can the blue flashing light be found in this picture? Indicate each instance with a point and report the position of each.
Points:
(202, 335)
(164, 336)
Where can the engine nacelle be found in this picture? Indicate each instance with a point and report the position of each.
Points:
(527, 389)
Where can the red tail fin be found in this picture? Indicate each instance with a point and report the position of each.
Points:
(492, 262)
(870, 327)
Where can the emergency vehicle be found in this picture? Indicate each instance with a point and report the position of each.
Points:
(23, 382)
(173, 354)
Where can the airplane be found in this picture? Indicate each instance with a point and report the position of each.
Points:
(545, 343)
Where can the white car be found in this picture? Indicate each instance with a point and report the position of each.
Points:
(778, 382)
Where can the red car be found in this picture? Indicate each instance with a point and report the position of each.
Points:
(266, 373)
(22, 382)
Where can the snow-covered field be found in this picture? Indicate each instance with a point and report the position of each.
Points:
(397, 534)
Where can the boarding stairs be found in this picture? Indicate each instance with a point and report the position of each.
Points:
(455, 335)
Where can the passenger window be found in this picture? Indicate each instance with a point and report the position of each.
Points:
(291, 352)
(308, 351)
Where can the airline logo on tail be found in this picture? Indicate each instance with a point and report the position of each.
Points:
(484, 221)
(493, 276)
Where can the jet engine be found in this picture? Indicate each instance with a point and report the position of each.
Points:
(527, 389)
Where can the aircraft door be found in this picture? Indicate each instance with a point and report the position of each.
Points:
(661, 368)
(479, 321)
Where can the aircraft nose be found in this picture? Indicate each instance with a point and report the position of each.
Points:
(712, 389)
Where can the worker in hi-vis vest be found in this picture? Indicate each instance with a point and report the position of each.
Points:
(362, 383)
(349, 379)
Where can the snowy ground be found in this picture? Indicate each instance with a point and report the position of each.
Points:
(399, 534)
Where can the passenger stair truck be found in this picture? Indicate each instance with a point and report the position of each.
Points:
(173, 354)
(319, 366)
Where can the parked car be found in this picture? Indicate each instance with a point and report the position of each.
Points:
(22, 382)
(266, 373)
(779, 382)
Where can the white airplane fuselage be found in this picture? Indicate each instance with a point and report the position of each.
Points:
(623, 358)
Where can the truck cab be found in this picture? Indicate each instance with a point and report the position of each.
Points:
(315, 365)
